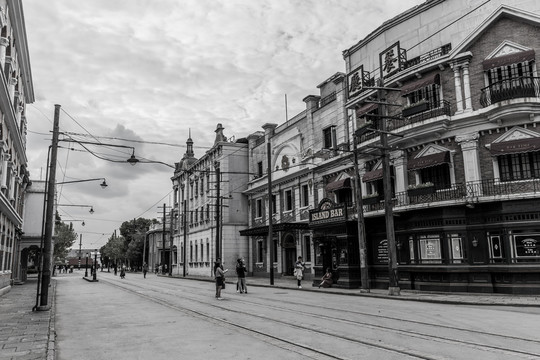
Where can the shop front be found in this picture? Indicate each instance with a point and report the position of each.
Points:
(335, 243)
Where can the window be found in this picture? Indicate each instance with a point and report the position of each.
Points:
(196, 252)
(260, 251)
(526, 247)
(457, 250)
(196, 215)
(305, 195)
(258, 209)
(207, 250)
(519, 166)
(429, 93)
(190, 252)
(259, 169)
(196, 188)
(307, 248)
(275, 245)
(288, 200)
(191, 190)
(274, 204)
(329, 137)
(207, 212)
(344, 196)
(430, 249)
(438, 175)
(512, 75)
(202, 186)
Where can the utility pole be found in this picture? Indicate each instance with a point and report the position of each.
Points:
(171, 243)
(364, 270)
(270, 229)
(184, 221)
(218, 210)
(49, 216)
(80, 250)
(393, 277)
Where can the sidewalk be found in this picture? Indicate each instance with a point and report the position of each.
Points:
(25, 334)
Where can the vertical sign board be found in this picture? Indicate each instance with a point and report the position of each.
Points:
(357, 79)
(392, 60)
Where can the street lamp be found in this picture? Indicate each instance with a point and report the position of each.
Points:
(86, 267)
(103, 184)
(91, 211)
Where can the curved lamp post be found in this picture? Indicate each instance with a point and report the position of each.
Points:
(91, 211)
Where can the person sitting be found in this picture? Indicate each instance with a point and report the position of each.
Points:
(327, 280)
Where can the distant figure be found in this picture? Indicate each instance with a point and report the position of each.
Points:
(326, 280)
(145, 269)
(219, 273)
(241, 272)
(115, 269)
(299, 267)
(123, 272)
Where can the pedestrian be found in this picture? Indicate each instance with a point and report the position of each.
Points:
(123, 272)
(299, 267)
(219, 273)
(145, 269)
(241, 273)
(326, 280)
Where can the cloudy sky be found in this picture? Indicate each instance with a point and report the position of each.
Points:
(142, 73)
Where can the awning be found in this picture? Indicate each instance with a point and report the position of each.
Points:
(338, 185)
(373, 175)
(421, 83)
(429, 161)
(513, 58)
(363, 110)
(515, 146)
(263, 230)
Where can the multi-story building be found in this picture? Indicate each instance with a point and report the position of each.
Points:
(209, 206)
(457, 107)
(465, 172)
(16, 90)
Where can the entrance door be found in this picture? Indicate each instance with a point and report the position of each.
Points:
(290, 260)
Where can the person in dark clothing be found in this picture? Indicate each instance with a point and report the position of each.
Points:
(241, 272)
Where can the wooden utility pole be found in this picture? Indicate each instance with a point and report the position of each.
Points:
(49, 216)
(393, 277)
(218, 211)
(270, 229)
(364, 269)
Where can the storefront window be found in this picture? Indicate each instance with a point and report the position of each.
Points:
(411, 250)
(260, 251)
(307, 248)
(526, 247)
(318, 255)
(430, 249)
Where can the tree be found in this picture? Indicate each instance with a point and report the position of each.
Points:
(64, 239)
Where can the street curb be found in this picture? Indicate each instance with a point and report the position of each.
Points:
(376, 296)
(51, 342)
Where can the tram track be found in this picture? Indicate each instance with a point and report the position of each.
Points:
(190, 294)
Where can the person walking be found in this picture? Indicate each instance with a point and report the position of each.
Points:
(219, 273)
(123, 272)
(145, 269)
(241, 273)
(299, 267)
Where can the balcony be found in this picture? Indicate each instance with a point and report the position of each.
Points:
(516, 88)
(461, 194)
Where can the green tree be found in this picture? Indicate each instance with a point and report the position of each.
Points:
(64, 239)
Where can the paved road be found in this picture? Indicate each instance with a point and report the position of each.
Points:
(164, 318)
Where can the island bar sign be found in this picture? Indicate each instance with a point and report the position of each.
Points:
(328, 212)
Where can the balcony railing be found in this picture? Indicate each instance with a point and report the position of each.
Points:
(510, 89)
(395, 124)
(464, 193)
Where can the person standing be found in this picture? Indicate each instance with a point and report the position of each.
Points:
(145, 269)
(299, 267)
(241, 273)
(219, 273)
(123, 272)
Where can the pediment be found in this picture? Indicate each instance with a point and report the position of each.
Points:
(516, 133)
(430, 150)
(507, 48)
(502, 11)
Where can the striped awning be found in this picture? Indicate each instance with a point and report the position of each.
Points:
(515, 146)
(339, 184)
(513, 58)
(363, 110)
(420, 83)
(429, 161)
(373, 175)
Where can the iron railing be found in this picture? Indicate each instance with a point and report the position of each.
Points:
(525, 86)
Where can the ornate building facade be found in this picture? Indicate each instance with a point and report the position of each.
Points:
(15, 92)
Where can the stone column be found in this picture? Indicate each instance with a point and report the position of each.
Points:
(400, 169)
(471, 162)
(4, 42)
(467, 87)
(457, 84)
